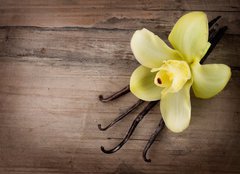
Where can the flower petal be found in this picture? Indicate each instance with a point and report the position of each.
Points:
(142, 84)
(176, 109)
(190, 36)
(150, 50)
(209, 80)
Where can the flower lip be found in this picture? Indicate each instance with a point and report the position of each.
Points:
(172, 75)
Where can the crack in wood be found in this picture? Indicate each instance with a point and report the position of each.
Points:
(72, 28)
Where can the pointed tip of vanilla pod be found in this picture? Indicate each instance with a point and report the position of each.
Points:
(213, 21)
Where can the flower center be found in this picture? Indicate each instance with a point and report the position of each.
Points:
(172, 75)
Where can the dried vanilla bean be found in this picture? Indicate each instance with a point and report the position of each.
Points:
(116, 95)
(160, 127)
(123, 115)
(132, 128)
(216, 37)
(213, 21)
(235, 68)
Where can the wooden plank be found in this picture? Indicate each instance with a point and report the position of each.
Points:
(86, 46)
(158, 15)
(218, 5)
(56, 57)
(49, 115)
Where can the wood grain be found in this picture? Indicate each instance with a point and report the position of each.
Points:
(56, 57)
(96, 46)
(135, 14)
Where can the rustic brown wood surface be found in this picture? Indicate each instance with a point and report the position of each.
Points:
(56, 57)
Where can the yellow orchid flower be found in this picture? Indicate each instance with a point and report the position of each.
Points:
(168, 74)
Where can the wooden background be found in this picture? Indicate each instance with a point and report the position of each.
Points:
(57, 56)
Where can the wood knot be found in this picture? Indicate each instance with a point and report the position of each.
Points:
(43, 51)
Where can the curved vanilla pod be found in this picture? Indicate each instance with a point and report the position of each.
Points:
(160, 127)
(116, 95)
(137, 120)
(121, 116)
